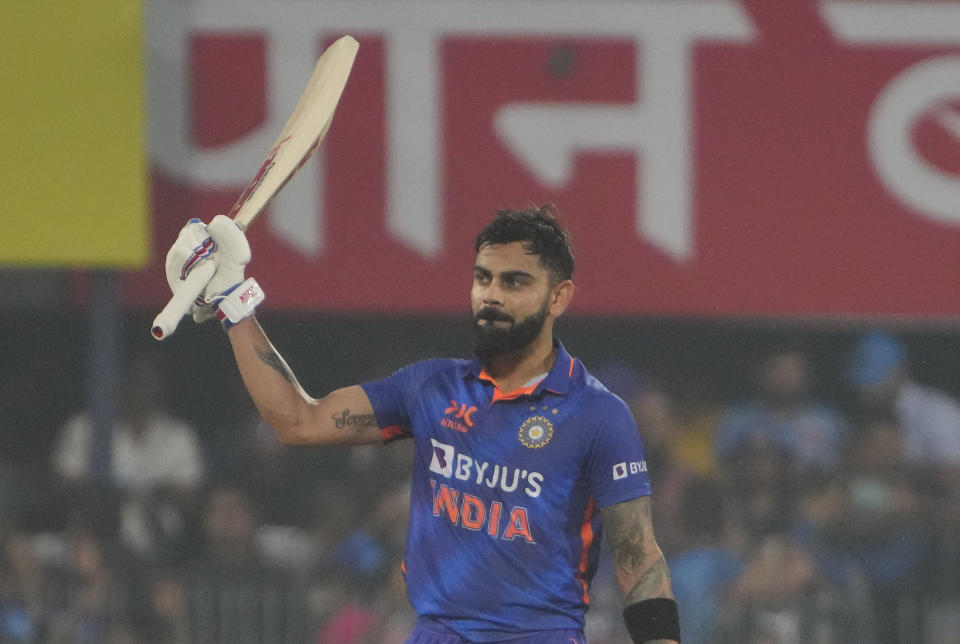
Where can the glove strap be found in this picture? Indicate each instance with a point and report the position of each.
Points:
(239, 302)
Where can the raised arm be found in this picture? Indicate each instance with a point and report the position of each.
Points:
(642, 573)
(343, 416)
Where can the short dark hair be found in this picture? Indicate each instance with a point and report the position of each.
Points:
(540, 233)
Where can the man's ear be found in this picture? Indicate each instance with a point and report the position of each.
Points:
(560, 297)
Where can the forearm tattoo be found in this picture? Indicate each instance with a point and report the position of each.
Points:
(640, 567)
(356, 422)
(273, 359)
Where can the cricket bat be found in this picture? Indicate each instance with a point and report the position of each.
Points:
(300, 136)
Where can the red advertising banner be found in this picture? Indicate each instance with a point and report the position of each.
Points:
(710, 157)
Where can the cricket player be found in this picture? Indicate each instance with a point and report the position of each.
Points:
(521, 456)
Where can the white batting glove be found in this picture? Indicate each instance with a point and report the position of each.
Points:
(192, 247)
(234, 297)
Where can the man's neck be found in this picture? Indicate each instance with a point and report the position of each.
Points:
(515, 370)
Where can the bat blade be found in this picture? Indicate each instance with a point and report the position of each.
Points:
(299, 138)
(306, 127)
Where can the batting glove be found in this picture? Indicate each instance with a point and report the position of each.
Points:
(192, 247)
(234, 297)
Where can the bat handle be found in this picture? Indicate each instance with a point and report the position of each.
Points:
(179, 305)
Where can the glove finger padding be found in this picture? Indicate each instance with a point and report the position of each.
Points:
(235, 297)
(230, 240)
(193, 245)
(189, 266)
(232, 255)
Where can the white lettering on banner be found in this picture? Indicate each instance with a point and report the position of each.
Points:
(922, 90)
(291, 55)
(545, 137)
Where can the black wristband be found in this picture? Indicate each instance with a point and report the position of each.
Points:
(653, 619)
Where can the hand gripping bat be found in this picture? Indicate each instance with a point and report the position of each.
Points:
(301, 135)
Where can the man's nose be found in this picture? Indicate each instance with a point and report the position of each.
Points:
(492, 295)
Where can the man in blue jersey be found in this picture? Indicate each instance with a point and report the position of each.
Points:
(520, 454)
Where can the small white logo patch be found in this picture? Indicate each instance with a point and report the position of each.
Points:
(441, 461)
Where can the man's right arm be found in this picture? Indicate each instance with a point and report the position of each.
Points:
(342, 417)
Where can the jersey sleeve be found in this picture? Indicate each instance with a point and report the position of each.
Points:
(616, 463)
(394, 397)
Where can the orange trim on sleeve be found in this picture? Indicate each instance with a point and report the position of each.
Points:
(570, 372)
(586, 537)
(392, 432)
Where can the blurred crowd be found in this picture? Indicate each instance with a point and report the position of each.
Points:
(787, 517)
(790, 519)
(217, 536)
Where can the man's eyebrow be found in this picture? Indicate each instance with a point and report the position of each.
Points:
(515, 274)
(511, 274)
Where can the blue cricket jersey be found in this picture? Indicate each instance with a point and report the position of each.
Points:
(504, 531)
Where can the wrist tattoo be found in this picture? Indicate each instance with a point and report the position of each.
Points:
(356, 422)
(273, 359)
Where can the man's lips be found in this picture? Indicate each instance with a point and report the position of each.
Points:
(497, 323)
(489, 316)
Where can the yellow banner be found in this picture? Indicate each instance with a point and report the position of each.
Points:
(72, 149)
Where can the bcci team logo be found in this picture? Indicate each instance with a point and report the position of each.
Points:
(535, 432)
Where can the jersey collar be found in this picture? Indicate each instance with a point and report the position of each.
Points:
(556, 381)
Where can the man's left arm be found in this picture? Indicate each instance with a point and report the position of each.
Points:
(642, 573)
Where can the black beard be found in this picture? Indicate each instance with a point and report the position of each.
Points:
(492, 341)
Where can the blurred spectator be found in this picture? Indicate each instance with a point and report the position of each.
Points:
(93, 608)
(660, 427)
(781, 597)
(929, 419)
(61, 588)
(760, 494)
(819, 526)
(884, 526)
(25, 609)
(704, 571)
(361, 543)
(396, 619)
(156, 462)
(229, 531)
(371, 606)
(353, 619)
(277, 475)
(656, 415)
(818, 523)
(685, 425)
(779, 434)
(228, 591)
(782, 416)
